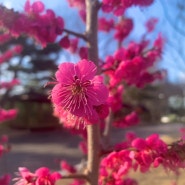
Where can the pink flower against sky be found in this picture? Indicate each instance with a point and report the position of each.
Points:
(78, 91)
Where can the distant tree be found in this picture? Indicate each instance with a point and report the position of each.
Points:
(35, 65)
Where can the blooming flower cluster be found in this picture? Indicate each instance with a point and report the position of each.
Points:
(118, 7)
(122, 28)
(132, 64)
(42, 25)
(41, 176)
(142, 154)
(78, 94)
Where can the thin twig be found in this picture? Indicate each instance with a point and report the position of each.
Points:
(75, 176)
(80, 35)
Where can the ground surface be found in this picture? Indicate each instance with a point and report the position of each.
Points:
(36, 149)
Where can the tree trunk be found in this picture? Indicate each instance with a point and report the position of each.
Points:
(92, 130)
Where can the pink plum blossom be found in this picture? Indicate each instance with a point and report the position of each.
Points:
(5, 179)
(67, 167)
(123, 28)
(25, 177)
(129, 120)
(151, 23)
(83, 53)
(73, 45)
(64, 42)
(43, 25)
(80, 4)
(42, 176)
(7, 114)
(119, 6)
(115, 98)
(105, 25)
(78, 92)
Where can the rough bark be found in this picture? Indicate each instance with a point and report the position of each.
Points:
(92, 130)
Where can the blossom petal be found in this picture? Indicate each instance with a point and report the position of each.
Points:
(66, 72)
(87, 69)
(98, 93)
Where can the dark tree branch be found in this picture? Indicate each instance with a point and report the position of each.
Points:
(74, 176)
(79, 35)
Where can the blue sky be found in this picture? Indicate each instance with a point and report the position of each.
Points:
(173, 64)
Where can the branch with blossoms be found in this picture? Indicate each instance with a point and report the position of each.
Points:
(87, 96)
(141, 154)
